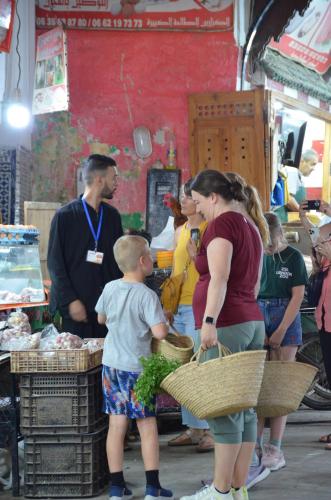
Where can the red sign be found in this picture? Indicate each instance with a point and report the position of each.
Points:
(136, 15)
(7, 14)
(50, 87)
(308, 39)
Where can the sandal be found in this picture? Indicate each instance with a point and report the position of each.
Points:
(187, 438)
(206, 443)
(325, 439)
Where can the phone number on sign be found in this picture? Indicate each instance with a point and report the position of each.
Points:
(89, 23)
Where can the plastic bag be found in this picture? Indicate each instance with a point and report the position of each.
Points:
(166, 239)
(51, 339)
(67, 340)
(19, 320)
(13, 339)
(93, 344)
(48, 338)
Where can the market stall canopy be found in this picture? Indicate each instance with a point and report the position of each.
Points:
(292, 44)
(301, 59)
(294, 75)
(307, 38)
(274, 17)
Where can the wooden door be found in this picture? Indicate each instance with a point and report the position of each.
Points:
(229, 132)
(40, 215)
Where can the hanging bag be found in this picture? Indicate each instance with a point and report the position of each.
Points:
(314, 287)
(174, 346)
(221, 386)
(283, 398)
(171, 290)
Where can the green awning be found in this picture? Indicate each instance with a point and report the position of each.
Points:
(294, 75)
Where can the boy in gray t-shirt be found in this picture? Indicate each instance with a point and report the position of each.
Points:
(133, 314)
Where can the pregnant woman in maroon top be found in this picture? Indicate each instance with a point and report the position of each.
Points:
(225, 309)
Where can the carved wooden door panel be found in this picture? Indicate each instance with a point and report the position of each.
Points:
(229, 132)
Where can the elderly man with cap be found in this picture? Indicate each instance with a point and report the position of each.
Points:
(296, 188)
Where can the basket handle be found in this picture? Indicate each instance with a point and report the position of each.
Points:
(222, 351)
(173, 331)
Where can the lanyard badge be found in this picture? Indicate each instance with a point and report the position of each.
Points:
(94, 256)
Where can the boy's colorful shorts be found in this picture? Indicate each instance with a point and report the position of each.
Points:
(118, 395)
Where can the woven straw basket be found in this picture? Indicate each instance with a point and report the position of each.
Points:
(218, 387)
(283, 387)
(174, 346)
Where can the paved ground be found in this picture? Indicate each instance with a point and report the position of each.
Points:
(307, 475)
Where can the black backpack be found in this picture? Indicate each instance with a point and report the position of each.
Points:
(314, 287)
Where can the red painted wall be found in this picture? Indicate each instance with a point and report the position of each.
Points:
(121, 80)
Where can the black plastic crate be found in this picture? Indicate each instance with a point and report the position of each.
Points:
(55, 403)
(7, 422)
(65, 466)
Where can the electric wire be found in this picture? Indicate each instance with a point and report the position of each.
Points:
(17, 46)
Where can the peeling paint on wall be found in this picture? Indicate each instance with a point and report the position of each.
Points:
(55, 146)
(159, 137)
(103, 149)
(124, 80)
(133, 221)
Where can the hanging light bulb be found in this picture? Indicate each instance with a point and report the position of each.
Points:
(18, 115)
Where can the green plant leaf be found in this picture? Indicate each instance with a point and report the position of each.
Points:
(155, 369)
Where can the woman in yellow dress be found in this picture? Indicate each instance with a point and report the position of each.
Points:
(197, 432)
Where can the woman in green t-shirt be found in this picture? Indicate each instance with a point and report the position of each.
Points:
(283, 281)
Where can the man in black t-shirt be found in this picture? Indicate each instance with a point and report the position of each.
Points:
(80, 251)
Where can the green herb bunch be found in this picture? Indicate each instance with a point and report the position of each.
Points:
(155, 369)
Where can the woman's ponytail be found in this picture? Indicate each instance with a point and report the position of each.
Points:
(254, 209)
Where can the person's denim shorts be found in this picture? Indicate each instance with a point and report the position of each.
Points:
(118, 395)
(273, 311)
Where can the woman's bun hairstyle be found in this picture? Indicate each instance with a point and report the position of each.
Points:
(213, 181)
(237, 190)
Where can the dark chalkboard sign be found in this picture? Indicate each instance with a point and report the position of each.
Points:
(159, 183)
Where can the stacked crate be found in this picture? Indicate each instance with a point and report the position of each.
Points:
(64, 434)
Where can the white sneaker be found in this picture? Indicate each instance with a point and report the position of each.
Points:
(256, 474)
(209, 493)
(240, 494)
(273, 458)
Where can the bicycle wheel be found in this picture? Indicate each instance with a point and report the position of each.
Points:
(316, 402)
(324, 392)
(318, 397)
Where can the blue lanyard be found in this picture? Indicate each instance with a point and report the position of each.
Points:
(97, 235)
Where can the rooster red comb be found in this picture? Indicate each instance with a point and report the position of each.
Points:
(167, 199)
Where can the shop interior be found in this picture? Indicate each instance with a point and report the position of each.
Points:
(298, 127)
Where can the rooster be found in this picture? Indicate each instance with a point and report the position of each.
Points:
(171, 202)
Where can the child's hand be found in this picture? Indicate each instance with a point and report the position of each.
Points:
(169, 316)
(277, 338)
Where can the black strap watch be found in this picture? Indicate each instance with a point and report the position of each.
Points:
(209, 320)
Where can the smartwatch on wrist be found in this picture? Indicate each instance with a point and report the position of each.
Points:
(209, 320)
